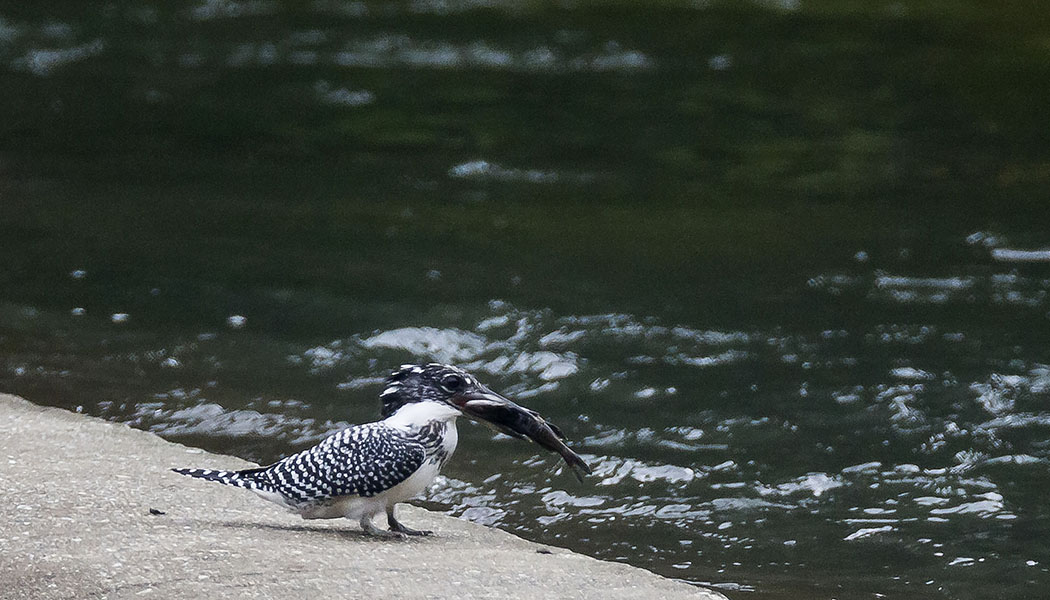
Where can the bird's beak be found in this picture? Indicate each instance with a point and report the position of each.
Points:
(490, 409)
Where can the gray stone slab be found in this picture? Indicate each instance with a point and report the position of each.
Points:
(75, 522)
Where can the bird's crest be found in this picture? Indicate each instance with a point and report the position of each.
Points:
(422, 383)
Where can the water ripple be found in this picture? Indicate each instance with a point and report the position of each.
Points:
(44, 61)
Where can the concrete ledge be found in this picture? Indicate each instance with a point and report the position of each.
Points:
(75, 522)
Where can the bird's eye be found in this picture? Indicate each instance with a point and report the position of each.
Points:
(453, 383)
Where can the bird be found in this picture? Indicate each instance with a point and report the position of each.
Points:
(365, 470)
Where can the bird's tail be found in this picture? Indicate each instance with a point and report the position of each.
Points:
(244, 479)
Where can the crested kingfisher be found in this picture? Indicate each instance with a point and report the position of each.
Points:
(365, 470)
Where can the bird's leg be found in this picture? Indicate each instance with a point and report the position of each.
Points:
(396, 525)
(371, 529)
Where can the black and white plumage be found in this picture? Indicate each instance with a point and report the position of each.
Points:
(360, 461)
(365, 470)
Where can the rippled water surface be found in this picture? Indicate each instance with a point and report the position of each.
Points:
(780, 270)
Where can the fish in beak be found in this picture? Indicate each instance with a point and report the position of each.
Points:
(461, 390)
(495, 411)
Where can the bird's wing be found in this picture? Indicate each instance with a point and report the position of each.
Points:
(359, 461)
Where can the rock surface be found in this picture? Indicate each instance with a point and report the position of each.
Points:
(79, 504)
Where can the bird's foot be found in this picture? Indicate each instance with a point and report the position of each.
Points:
(371, 529)
(402, 530)
(396, 526)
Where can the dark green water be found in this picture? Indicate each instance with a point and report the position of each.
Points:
(779, 269)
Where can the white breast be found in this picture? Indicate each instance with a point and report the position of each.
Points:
(417, 414)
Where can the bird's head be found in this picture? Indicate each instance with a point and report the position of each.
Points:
(434, 383)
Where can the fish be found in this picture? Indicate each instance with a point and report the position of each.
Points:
(526, 424)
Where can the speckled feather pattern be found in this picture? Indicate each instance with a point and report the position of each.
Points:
(363, 460)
